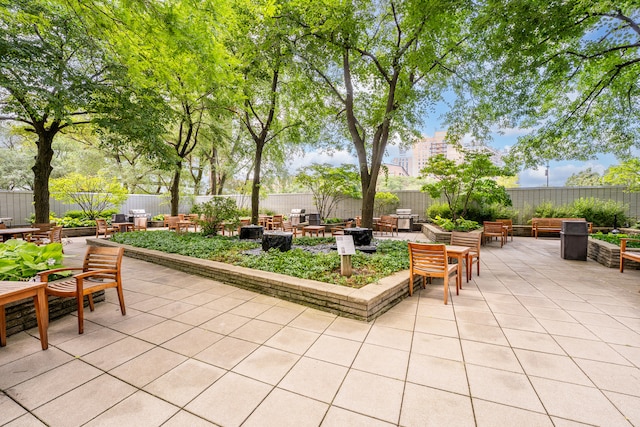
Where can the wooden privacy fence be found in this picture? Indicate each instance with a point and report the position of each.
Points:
(19, 204)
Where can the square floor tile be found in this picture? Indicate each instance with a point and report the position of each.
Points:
(371, 395)
(448, 375)
(490, 355)
(138, 409)
(437, 345)
(184, 382)
(578, 403)
(607, 376)
(334, 350)
(552, 366)
(315, 379)
(490, 414)
(227, 352)
(589, 349)
(293, 340)
(266, 364)
(389, 337)
(81, 405)
(256, 331)
(504, 387)
(447, 408)
(230, 400)
(51, 384)
(384, 361)
(145, 368)
(192, 341)
(532, 341)
(282, 408)
(31, 366)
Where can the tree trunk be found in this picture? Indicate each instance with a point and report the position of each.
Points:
(255, 187)
(175, 190)
(41, 172)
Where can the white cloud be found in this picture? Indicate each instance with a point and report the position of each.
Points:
(558, 173)
(335, 158)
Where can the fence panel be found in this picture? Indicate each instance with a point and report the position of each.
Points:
(19, 204)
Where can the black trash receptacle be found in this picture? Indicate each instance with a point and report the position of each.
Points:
(313, 218)
(574, 237)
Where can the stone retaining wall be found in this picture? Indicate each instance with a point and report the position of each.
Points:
(608, 255)
(21, 314)
(365, 303)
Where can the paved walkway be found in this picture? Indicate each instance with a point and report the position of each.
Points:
(533, 341)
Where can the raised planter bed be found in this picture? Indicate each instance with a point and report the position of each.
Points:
(21, 314)
(608, 254)
(365, 303)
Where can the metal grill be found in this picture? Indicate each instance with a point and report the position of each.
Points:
(137, 213)
(405, 219)
(297, 216)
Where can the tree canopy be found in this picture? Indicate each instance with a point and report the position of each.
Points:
(565, 71)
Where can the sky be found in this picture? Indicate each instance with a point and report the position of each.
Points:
(558, 171)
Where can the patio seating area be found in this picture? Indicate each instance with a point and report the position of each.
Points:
(535, 340)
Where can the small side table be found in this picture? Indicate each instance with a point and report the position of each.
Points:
(313, 229)
(15, 291)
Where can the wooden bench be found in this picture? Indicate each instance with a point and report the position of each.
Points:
(552, 225)
(628, 254)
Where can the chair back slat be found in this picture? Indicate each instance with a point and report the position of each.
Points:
(428, 257)
(471, 240)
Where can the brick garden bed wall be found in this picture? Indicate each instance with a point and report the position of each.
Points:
(21, 315)
(365, 303)
(608, 255)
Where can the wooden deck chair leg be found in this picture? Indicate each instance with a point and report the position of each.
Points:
(80, 300)
(123, 310)
(91, 305)
(446, 289)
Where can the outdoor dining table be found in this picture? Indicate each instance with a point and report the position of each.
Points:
(7, 233)
(460, 253)
(313, 229)
(123, 226)
(15, 291)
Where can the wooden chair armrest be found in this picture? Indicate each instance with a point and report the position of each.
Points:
(91, 273)
(44, 275)
(623, 242)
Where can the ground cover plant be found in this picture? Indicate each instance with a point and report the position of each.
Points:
(615, 238)
(302, 261)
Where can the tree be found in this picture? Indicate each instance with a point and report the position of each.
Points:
(626, 173)
(385, 202)
(470, 181)
(381, 62)
(583, 178)
(51, 72)
(567, 70)
(329, 185)
(274, 109)
(93, 194)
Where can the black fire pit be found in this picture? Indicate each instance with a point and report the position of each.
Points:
(361, 236)
(251, 232)
(280, 240)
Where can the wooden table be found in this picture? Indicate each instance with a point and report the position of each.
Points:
(313, 229)
(460, 253)
(15, 291)
(7, 233)
(123, 226)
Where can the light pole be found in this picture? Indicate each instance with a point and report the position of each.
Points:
(546, 173)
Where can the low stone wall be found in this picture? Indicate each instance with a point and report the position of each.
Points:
(365, 303)
(21, 314)
(608, 255)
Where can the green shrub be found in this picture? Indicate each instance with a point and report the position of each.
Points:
(20, 260)
(77, 214)
(460, 224)
(216, 211)
(441, 210)
(332, 220)
(601, 212)
(69, 222)
(159, 217)
(385, 203)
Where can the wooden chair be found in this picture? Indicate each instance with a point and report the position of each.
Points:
(275, 223)
(493, 229)
(339, 230)
(176, 224)
(388, 223)
(430, 260)
(472, 241)
(508, 223)
(103, 228)
(101, 270)
(40, 237)
(140, 223)
(289, 228)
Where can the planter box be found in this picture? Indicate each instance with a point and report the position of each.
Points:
(21, 314)
(608, 255)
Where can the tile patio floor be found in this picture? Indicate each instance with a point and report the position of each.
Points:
(534, 341)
